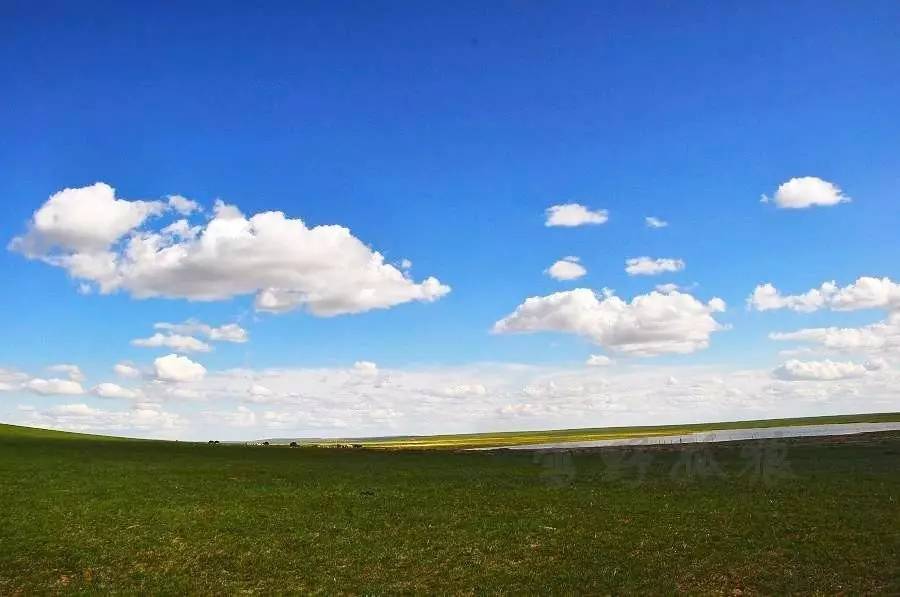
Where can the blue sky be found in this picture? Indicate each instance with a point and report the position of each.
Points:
(441, 134)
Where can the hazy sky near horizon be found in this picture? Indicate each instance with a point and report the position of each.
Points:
(342, 218)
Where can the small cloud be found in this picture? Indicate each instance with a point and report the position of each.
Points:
(667, 288)
(574, 214)
(183, 205)
(126, 370)
(111, 390)
(51, 387)
(173, 367)
(598, 360)
(646, 266)
(805, 192)
(654, 222)
(567, 268)
(366, 368)
(73, 372)
(175, 342)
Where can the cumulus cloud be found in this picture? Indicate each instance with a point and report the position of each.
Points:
(598, 360)
(807, 191)
(649, 325)
(54, 386)
(646, 266)
(83, 221)
(183, 205)
(882, 337)
(567, 268)
(287, 265)
(175, 342)
(173, 367)
(126, 370)
(766, 297)
(654, 222)
(230, 332)
(865, 293)
(111, 390)
(574, 214)
(827, 370)
(73, 372)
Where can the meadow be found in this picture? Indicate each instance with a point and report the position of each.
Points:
(83, 514)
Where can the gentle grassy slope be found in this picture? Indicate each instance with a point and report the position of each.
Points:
(17, 431)
(519, 438)
(87, 515)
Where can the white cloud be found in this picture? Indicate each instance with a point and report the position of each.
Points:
(183, 205)
(260, 393)
(126, 370)
(84, 221)
(338, 402)
(81, 417)
(646, 266)
(365, 368)
(574, 214)
(230, 332)
(173, 367)
(667, 288)
(523, 409)
(876, 364)
(465, 390)
(654, 222)
(111, 390)
(827, 370)
(566, 268)
(807, 191)
(54, 386)
(649, 325)
(73, 372)
(181, 229)
(324, 269)
(882, 337)
(766, 297)
(599, 360)
(11, 379)
(866, 293)
(175, 342)
(240, 417)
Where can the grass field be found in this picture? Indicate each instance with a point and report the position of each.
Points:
(520, 438)
(86, 514)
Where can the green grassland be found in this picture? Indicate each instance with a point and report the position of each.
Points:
(520, 438)
(81, 514)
